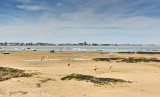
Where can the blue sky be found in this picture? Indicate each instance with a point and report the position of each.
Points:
(73, 21)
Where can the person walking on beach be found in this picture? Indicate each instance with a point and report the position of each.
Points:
(42, 58)
(110, 67)
(95, 68)
(47, 57)
(68, 64)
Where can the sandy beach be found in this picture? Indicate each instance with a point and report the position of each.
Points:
(47, 81)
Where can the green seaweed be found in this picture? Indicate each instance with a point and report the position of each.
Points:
(8, 73)
(44, 81)
(38, 84)
(95, 80)
(128, 60)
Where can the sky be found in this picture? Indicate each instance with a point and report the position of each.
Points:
(75, 21)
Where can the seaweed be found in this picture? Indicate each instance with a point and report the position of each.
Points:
(44, 81)
(128, 60)
(143, 52)
(102, 59)
(95, 80)
(8, 73)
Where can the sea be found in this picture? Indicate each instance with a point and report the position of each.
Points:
(83, 48)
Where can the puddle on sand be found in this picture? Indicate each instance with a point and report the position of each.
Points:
(78, 59)
(43, 60)
(4, 76)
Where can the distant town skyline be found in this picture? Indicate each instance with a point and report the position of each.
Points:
(69, 44)
(76, 21)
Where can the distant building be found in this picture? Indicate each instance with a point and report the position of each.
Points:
(80, 43)
(85, 43)
(106, 44)
(94, 44)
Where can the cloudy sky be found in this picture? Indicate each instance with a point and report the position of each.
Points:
(73, 21)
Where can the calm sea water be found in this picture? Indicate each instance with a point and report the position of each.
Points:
(86, 48)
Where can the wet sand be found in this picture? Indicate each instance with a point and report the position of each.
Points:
(145, 76)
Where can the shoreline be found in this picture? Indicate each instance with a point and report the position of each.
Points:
(84, 45)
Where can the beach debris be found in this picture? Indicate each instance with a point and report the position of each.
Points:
(95, 80)
(8, 73)
(95, 68)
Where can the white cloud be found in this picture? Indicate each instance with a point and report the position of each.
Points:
(59, 4)
(64, 23)
(54, 30)
(24, 1)
(30, 7)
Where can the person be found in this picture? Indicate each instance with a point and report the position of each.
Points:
(110, 67)
(68, 64)
(42, 58)
(95, 68)
(47, 57)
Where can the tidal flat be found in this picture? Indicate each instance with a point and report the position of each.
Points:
(138, 76)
